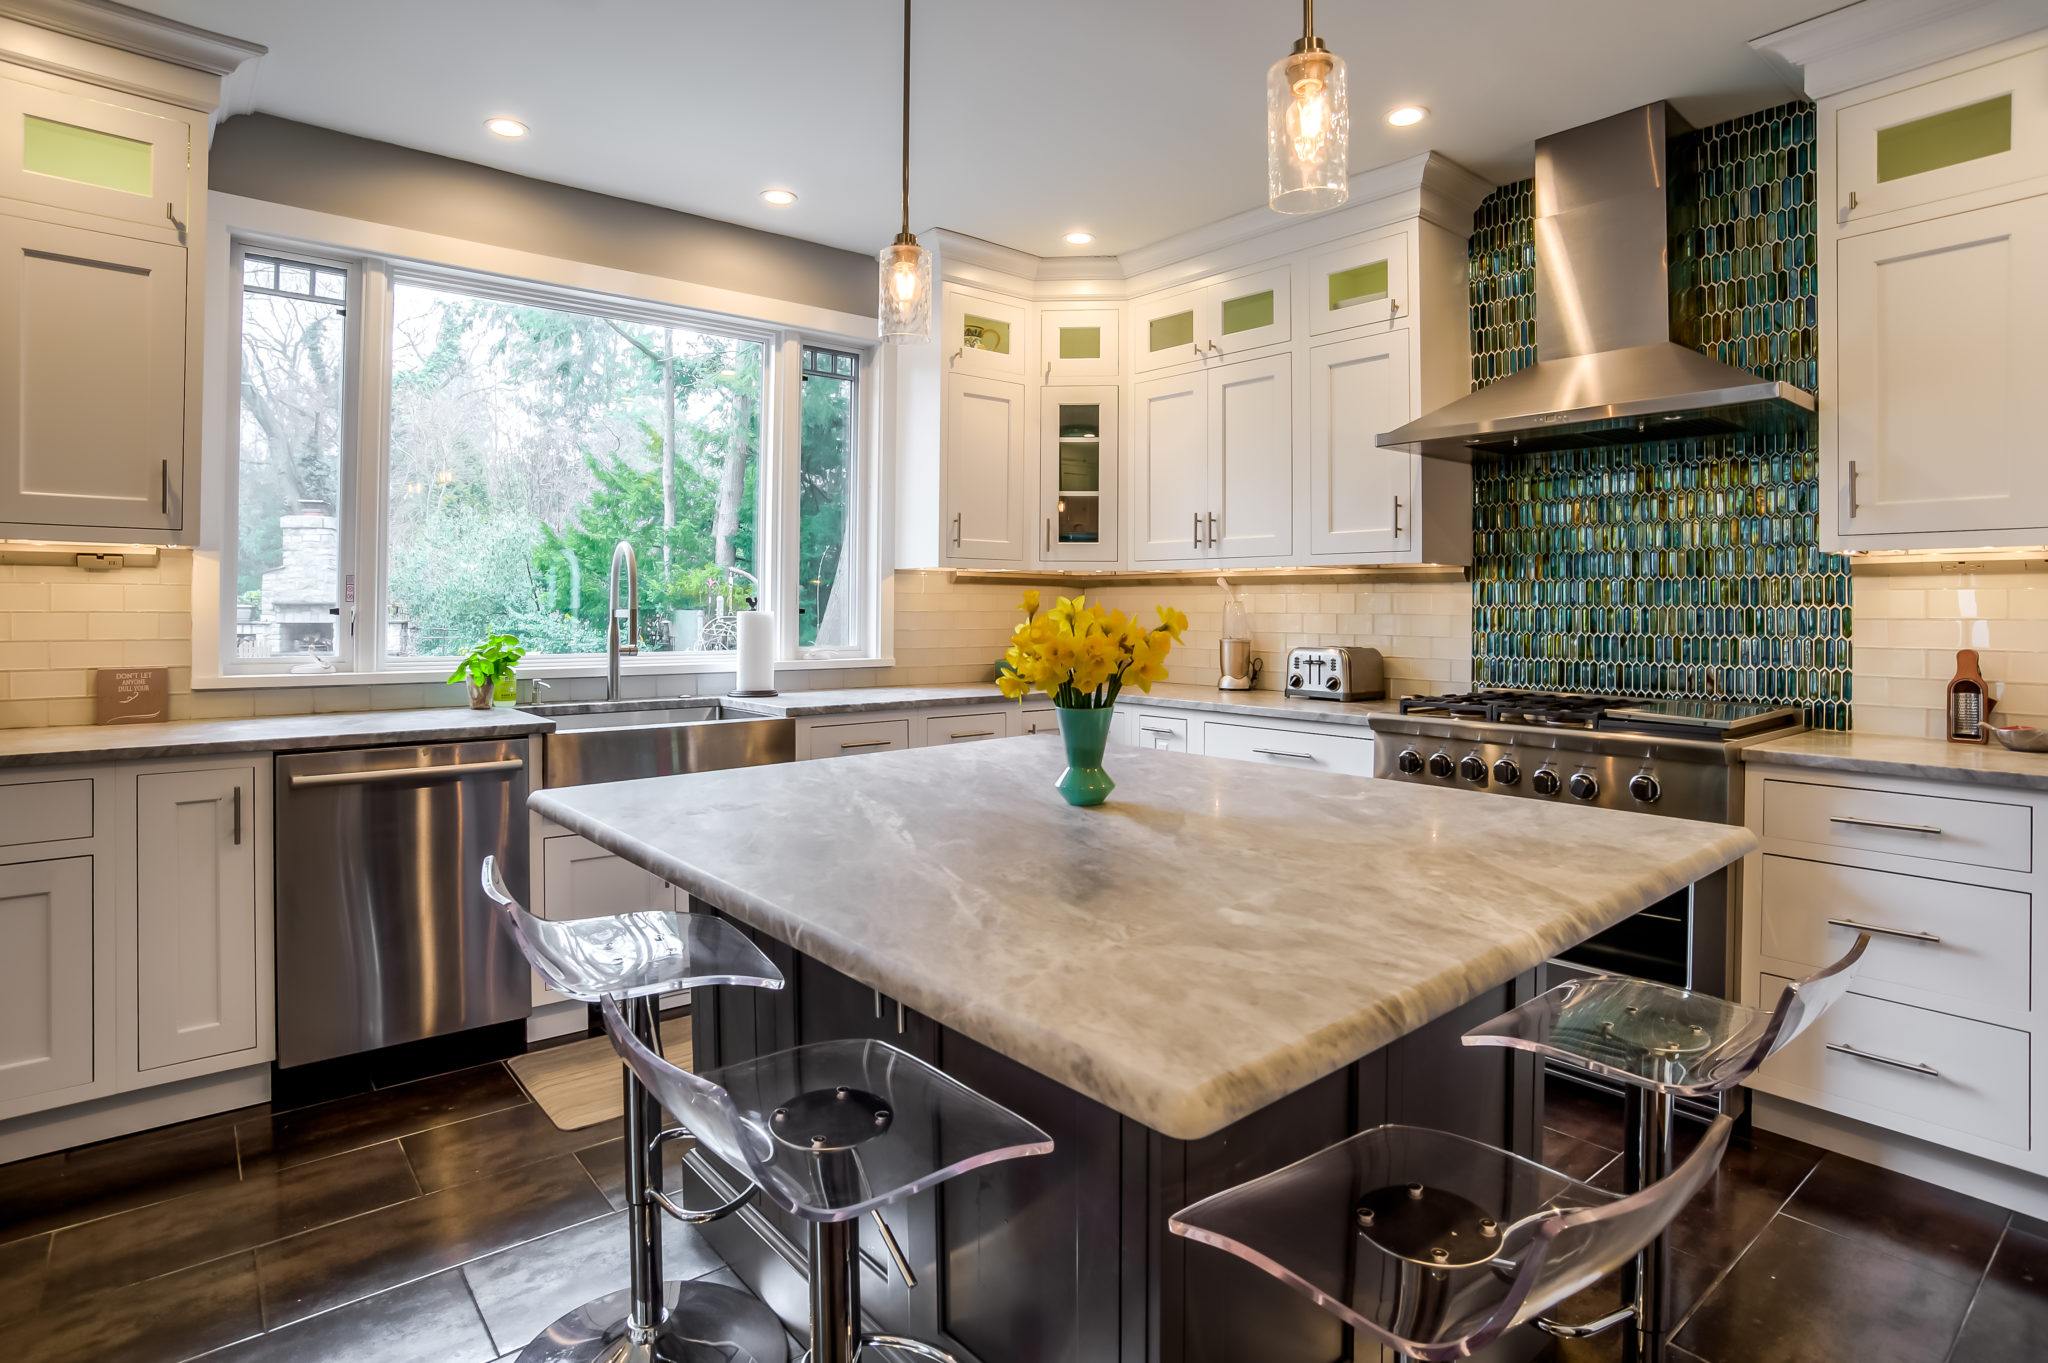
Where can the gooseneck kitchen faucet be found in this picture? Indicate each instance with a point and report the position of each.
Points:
(614, 646)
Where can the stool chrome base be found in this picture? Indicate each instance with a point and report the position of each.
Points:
(706, 1323)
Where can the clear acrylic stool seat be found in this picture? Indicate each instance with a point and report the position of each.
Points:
(1432, 1244)
(829, 1132)
(635, 959)
(1663, 1043)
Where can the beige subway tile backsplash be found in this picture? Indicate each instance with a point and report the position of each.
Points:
(1911, 617)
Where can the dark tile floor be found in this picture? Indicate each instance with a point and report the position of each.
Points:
(446, 1220)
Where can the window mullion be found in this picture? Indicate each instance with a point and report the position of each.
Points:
(372, 448)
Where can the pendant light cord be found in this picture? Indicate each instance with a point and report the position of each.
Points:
(906, 116)
(1308, 17)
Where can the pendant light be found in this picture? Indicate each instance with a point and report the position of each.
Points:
(906, 310)
(1308, 126)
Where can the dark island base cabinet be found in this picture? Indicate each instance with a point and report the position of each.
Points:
(1066, 1258)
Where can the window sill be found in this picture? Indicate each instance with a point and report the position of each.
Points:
(551, 670)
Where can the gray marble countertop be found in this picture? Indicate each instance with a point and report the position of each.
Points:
(1982, 764)
(282, 733)
(1167, 695)
(1217, 936)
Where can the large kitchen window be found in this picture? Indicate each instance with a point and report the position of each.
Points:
(425, 458)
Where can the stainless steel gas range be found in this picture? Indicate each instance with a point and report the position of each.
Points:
(1679, 759)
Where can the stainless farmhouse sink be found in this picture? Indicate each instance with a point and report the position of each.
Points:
(626, 740)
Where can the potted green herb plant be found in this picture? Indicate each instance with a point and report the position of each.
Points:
(488, 668)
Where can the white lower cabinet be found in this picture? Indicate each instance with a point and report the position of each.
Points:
(1039, 719)
(1296, 747)
(848, 738)
(579, 879)
(197, 976)
(975, 726)
(1162, 733)
(46, 977)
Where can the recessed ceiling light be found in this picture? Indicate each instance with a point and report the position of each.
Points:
(1079, 238)
(781, 198)
(1407, 116)
(506, 127)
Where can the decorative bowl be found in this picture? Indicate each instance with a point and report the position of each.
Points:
(2021, 737)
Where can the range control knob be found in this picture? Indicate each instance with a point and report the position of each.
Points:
(1584, 785)
(1473, 769)
(1645, 787)
(1410, 761)
(1294, 680)
(1440, 766)
(1331, 684)
(1507, 772)
(1545, 782)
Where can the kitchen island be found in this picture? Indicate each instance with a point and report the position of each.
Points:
(1220, 971)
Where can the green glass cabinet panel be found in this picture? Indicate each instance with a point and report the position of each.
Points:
(1948, 138)
(1359, 284)
(85, 155)
(1080, 520)
(1248, 313)
(1174, 329)
(1080, 343)
(985, 333)
(1080, 421)
(1080, 466)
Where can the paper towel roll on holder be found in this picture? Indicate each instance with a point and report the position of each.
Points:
(756, 652)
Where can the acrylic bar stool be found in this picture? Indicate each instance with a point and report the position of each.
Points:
(1663, 1043)
(635, 958)
(1435, 1245)
(830, 1132)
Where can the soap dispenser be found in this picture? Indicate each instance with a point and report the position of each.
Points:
(1969, 701)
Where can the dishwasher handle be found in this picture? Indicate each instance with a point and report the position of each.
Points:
(447, 771)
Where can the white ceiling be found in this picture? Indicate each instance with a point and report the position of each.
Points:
(1134, 119)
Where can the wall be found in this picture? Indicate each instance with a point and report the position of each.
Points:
(261, 157)
(1911, 617)
(1683, 568)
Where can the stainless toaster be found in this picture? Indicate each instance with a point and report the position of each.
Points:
(1342, 672)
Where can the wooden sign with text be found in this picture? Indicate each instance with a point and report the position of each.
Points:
(131, 695)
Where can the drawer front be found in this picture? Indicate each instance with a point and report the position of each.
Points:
(845, 740)
(1932, 827)
(974, 728)
(1976, 130)
(1289, 748)
(1924, 1067)
(45, 811)
(1034, 719)
(1167, 733)
(1968, 943)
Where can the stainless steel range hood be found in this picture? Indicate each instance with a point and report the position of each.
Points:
(1616, 361)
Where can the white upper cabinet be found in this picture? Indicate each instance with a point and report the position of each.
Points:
(1188, 326)
(94, 154)
(92, 378)
(1935, 141)
(1940, 354)
(1078, 344)
(983, 477)
(1079, 476)
(196, 907)
(985, 334)
(1251, 460)
(1168, 329)
(1169, 468)
(1357, 283)
(1361, 497)
(1933, 281)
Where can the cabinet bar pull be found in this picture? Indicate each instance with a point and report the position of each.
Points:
(448, 771)
(895, 1250)
(1282, 752)
(1927, 828)
(238, 815)
(1048, 534)
(1170, 733)
(1212, 530)
(1397, 515)
(1198, 530)
(956, 529)
(1855, 926)
(171, 216)
(978, 733)
(1844, 1048)
(867, 743)
(164, 486)
(1849, 493)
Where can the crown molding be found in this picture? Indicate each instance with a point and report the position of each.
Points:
(131, 30)
(1874, 39)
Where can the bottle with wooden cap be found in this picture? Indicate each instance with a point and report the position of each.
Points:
(1969, 701)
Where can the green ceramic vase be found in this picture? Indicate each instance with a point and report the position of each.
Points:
(1086, 734)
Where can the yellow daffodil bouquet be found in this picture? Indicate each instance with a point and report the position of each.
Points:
(1082, 655)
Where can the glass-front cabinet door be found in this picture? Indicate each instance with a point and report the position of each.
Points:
(1361, 282)
(1251, 311)
(96, 157)
(1079, 475)
(1167, 329)
(985, 334)
(1077, 343)
(1976, 130)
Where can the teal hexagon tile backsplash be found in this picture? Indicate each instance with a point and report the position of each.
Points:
(1683, 568)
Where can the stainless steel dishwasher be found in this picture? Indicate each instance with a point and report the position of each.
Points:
(383, 932)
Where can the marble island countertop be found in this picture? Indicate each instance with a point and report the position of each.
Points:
(1217, 936)
(1166, 695)
(281, 733)
(1931, 759)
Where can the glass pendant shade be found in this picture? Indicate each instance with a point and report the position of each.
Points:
(1308, 132)
(906, 308)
